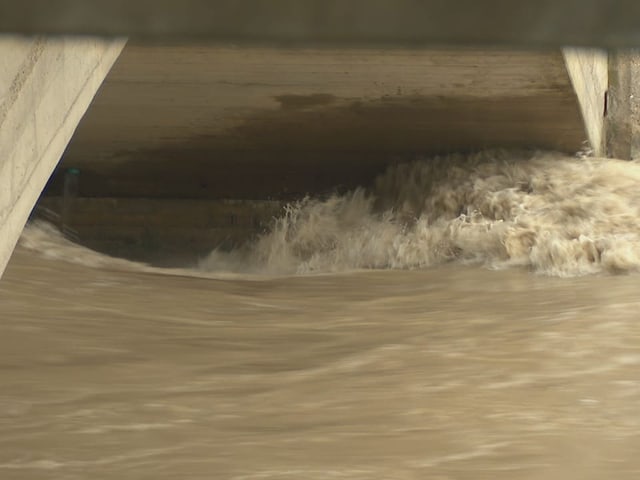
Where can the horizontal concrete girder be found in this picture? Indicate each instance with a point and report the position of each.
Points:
(370, 22)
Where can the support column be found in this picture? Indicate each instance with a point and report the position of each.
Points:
(587, 69)
(623, 107)
(46, 85)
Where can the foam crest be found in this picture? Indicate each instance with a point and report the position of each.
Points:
(553, 214)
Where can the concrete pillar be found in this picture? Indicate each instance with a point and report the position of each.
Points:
(587, 69)
(623, 107)
(46, 85)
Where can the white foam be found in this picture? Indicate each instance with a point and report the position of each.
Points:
(554, 214)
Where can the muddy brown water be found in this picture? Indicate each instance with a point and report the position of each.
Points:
(454, 372)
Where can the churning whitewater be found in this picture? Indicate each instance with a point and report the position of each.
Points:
(552, 214)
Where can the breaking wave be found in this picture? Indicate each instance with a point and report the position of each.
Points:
(553, 214)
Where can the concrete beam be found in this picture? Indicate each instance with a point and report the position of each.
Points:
(45, 88)
(341, 22)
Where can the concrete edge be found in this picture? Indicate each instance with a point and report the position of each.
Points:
(588, 71)
(11, 228)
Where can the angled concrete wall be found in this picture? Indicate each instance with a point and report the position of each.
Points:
(587, 69)
(46, 86)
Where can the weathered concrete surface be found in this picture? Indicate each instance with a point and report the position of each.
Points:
(219, 122)
(588, 70)
(381, 22)
(45, 88)
(623, 112)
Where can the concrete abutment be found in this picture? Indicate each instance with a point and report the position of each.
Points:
(46, 86)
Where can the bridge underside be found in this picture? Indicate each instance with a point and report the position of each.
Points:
(208, 103)
(179, 130)
(416, 23)
(202, 121)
